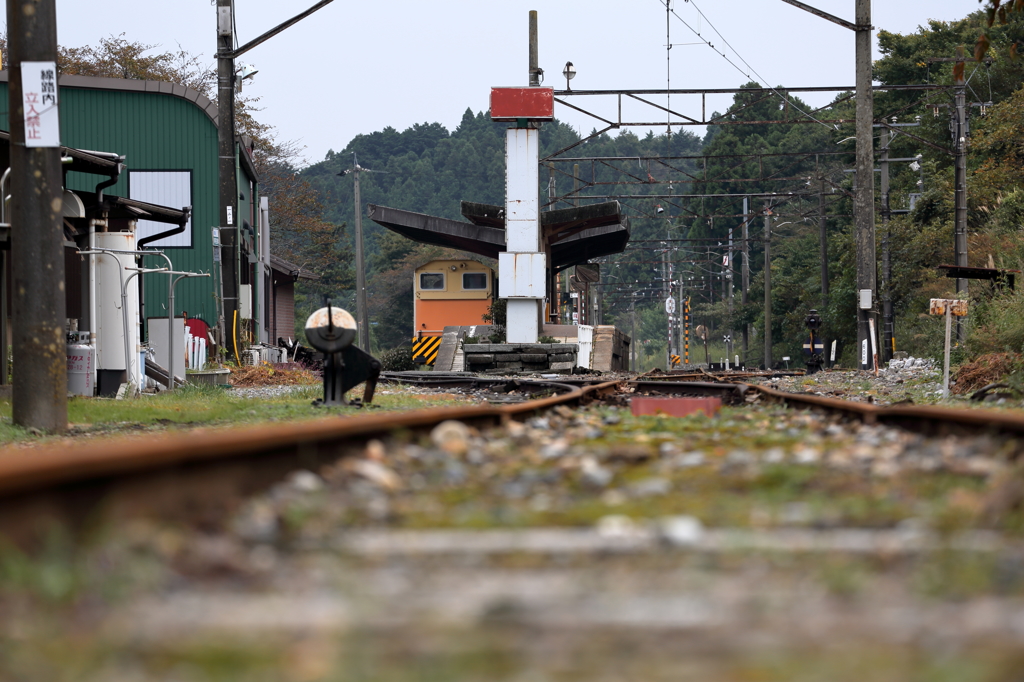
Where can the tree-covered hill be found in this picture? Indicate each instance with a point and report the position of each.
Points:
(430, 169)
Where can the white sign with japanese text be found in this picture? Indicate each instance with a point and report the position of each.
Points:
(39, 98)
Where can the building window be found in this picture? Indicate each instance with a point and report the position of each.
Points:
(474, 281)
(164, 188)
(432, 281)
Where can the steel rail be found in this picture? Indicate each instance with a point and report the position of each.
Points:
(199, 477)
(928, 419)
(202, 475)
(23, 470)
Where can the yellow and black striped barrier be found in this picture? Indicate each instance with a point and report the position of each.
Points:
(424, 349)
(686, 331)
(676, 360)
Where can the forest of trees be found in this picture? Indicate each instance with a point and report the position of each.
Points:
(429, 169)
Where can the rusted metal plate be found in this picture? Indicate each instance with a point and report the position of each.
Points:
(957, 307)
(674, 407)
(535, 104)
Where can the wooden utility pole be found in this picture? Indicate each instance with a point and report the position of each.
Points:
(40, 392)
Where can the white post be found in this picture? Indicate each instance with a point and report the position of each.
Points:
(945, 365)
(874, 345)
(523, 265)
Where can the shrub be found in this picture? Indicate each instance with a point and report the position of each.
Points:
(397, 360)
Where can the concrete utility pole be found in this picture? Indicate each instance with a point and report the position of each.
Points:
(227, 182)
(864, 189)
(362, 315)
(362, 310)
(666, 270)
(887, 319)
(823, 239)
(40, 392)
(729, 269)
(226, 177)
(960, 186)
(767, 287)
(864, 193)
(745, 274)
(632, 332)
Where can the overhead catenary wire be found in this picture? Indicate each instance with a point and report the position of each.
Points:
(667, 4)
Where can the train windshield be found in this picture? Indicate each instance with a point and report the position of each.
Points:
(474, 280)
(432, 281)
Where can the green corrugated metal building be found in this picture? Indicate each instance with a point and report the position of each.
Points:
(164, 131)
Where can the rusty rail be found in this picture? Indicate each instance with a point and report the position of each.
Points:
(201, 475)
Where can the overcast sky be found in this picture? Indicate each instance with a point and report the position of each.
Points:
(357, 67)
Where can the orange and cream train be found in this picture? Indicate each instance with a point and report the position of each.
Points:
(448, 293)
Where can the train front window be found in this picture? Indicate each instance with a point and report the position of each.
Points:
(474, 281)
(432, 281)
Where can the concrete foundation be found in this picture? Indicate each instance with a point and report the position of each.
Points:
(520, 357)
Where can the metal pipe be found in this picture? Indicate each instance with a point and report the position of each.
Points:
(170, 301)
(4, 264)
(124, 317)
(3, 193)
(534, 59)
(109, 182)
(93, 326)
(168, 233)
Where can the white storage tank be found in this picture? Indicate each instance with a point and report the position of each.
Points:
(111, 270)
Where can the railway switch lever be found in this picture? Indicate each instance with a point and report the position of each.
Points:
(332, 331)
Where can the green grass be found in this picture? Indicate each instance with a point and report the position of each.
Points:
(192, 406)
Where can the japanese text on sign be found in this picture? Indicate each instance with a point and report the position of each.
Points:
(39, 100)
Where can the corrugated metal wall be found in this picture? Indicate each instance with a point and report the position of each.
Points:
(155, 131)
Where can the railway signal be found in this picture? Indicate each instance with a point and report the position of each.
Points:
(814, 348)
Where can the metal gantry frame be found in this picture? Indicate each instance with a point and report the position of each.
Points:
(693, 177)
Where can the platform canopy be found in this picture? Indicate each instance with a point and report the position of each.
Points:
(574, 235)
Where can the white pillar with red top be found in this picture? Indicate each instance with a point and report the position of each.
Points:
(522, 268)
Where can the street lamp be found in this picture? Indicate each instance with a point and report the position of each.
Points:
(569, 72)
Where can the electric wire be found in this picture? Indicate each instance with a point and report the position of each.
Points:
(731, 62)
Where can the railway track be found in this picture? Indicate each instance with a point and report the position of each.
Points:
(549, 534)
(200, 476)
